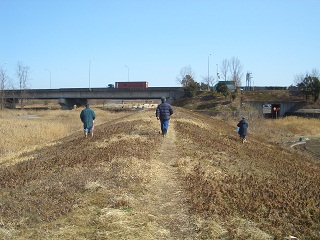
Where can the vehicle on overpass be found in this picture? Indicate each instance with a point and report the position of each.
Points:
(131, 85)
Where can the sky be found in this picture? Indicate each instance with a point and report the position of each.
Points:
(93, 43)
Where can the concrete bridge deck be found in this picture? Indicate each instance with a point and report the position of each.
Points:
(68, 97)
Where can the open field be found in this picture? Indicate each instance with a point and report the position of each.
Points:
(128, 182)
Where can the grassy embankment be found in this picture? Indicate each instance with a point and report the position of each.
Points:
(274, 188)
(65, 187)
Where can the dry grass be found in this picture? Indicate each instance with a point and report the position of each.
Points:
(293, 126)
(264, 183)
(76, 188)
(280, 130)
(26, 129)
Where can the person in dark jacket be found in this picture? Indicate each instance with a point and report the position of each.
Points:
(243, 127)
(163, 113)
(87, 116)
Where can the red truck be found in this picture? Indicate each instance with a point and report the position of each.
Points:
(131, 85)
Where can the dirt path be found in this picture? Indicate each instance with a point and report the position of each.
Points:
(167, 201)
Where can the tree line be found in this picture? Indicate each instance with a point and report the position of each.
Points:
(309, 84)
(232, 71)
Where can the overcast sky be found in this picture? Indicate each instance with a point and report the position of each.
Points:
(90, 42)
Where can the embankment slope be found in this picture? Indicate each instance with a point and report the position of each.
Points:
(128, 182)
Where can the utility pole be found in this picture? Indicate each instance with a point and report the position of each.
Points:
(248, 80)
(208, 72)
(128, 71)
(218, 76)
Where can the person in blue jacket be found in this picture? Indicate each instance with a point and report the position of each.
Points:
(163, 113)
(87, 116)
(243, 127)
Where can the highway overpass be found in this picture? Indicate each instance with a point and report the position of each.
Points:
(68, 97)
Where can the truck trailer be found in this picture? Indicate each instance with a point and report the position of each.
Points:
(131, 85)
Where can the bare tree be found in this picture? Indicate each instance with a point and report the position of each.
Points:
(186, 76)
(23, 77)
(299, 78)
(315, 73)
(236, 71)
(224, 69)
(3, 83)
(208, 81)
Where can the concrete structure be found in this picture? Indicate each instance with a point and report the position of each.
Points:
(68, 97)
(278, 108)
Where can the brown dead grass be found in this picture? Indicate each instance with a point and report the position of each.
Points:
(26, 130)
(66, 190)
(119, 185)
(275, 188)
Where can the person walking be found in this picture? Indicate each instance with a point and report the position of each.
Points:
(243, 127)
(87, 116)
(163, 113)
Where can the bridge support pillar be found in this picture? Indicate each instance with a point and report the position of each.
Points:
(69, 103)
(170, 100)
(12, 102)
